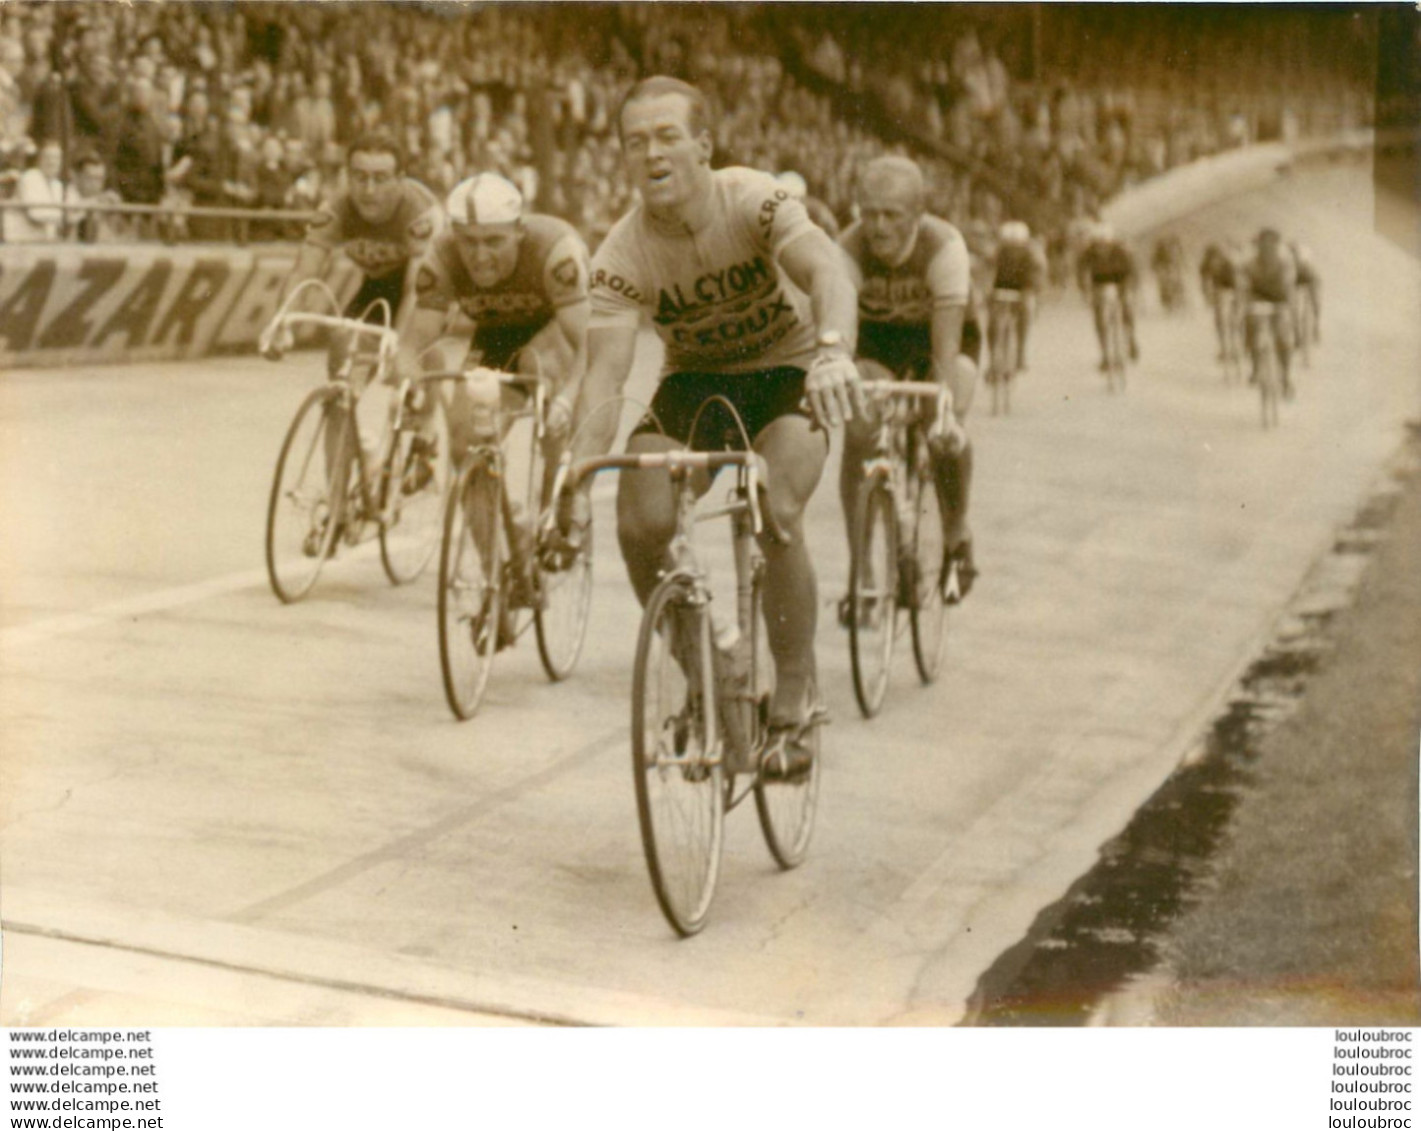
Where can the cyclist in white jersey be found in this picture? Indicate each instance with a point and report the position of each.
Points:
(753, 302)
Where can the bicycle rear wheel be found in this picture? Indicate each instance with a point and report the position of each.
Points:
(676, 759)
(470, 589)
(873, 594)
(413, 481)
(563, 611)
(308, 494)
(927, 610)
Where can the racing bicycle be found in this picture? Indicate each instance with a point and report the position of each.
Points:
(331, 488)
(900, 569)
(700, 709)
(1267, 366)
(1006, 346)
(496, 574)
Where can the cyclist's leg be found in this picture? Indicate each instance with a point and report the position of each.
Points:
(795, 456)
(1026, 309)
(1127, 316)
(549, 354)
(1283, 340)
(858, 446)
(1097, 305)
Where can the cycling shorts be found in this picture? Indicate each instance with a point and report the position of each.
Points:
(500, 345)
(760, 397)
(390, 287)
(910, 348)
(1113, 277)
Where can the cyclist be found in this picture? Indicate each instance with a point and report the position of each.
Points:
(1167, 261)
(1270, 277)
(1218, 280)
(383, 222)
(753, 303)
(1018, 269)
(504, 290)
(1107, 260)
(914, 277)
(1309, 284)
(501, 289)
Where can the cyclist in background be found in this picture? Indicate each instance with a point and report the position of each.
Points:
(753, 303)
(1167, 261)
(383, 223)
(501, 289)
(1270, 277)
(1310, 284)
(1107, 260)
(507, 291)
(1218, 278)
(1019, 269)
(913, 273)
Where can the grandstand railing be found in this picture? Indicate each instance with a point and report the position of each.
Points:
(164, 223)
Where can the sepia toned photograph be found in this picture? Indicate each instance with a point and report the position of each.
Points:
(846, 515)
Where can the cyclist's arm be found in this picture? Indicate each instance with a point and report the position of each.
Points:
(947, 342)
(311, 263)
(571, 321)
(423, 315)
(816, 265)
(609, 362)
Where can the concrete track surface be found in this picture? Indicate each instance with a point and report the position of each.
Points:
(218, 810)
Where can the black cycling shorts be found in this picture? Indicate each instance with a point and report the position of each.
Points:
(908, 350)
(760, 397)
(389, 287)
(499, 346)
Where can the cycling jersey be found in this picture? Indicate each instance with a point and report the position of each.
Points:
(383, 248)
(1108, 263)
(897, 301)
(1016, 268)
(550, 273)
(1270, 282)
(716, 293)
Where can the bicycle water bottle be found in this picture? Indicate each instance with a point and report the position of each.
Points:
(483, 389)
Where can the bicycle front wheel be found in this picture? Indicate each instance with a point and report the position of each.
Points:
(565, 604)
(413, 482)
(307, 494)
(927, 609)
(787, 808)
(470, 592)
(873, 594)
(676, 761)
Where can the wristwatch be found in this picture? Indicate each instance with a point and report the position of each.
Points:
(832, 340)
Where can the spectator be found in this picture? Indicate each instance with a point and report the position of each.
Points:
(39, 186)
(138, 161)
(88, 188)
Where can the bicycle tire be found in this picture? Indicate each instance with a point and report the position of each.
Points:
(304, 509)
(873, 594)
(787, 809)
(1115, 348)
(1003, 363)
(676, 765)
(927, 612)
(412, 513)
(470, 589)
(565, 606)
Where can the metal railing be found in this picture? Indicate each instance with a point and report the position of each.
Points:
(161, 223)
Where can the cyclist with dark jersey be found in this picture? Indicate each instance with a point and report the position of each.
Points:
(1105, 261)
(1018, 269)
(916, 322)
(383, 223)
(1310, 284)
(1270, 277)
(501, 289)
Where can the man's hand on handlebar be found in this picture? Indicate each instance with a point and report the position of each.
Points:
(834, 389)
(277, 341)
(572, 520)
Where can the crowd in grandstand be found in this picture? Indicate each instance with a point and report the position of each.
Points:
(250, 106)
